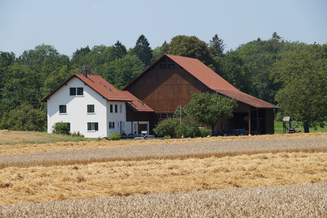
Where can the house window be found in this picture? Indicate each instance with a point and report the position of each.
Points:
(170, 66)
(72, 91)
(116, 108)
(92, 126)
(120, 108)
(62, 109)
(90, 108)
(162, 66)
(79, 90)
(158, 116)
(111, 125)
(170, 115)
(163, 116)
(111, 108)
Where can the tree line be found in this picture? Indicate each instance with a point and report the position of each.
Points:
(260, 68)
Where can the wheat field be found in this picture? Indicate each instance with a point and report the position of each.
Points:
(122, 178)
(300, 200)
(210, 177)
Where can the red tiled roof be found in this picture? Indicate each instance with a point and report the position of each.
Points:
(215, 82)
(203, 73)
(107, 91)
(136, 103)
(98, 84)
(248, 99)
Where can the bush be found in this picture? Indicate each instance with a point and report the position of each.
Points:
(114, 136)
(24, 118)
(61, 128)
(185, 131)
(166, 127)
(204, 132)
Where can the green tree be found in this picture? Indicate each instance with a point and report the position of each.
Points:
(156, 54)
(143, 50)
(80, 57)
(209, 108)
(259, 56)
(6, 60)
(166, 127)
(191, 46)
(218, 45)
(237, 72)
(119, 50)
(24, 118)
(304, 85)
(121, 71)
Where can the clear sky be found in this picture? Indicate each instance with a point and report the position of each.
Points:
(71, 24)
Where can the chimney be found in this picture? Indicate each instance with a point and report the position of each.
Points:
(85, 72)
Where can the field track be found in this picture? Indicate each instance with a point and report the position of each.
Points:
(169, 150)
(17, 137)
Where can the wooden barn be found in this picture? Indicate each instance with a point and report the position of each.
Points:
(170, 82)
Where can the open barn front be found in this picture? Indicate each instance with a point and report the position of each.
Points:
(253, 121)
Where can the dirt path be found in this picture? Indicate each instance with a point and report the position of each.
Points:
(63, 146)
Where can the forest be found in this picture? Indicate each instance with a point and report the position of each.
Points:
(292, 75)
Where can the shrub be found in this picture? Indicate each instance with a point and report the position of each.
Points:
(24, 118)
(204, 132)
(61, 128)
(166, 127)
(167, 137)
(114, 136)
(185, 131)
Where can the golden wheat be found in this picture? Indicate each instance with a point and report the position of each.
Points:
(308, 200)
(12, 136)
(41, 184)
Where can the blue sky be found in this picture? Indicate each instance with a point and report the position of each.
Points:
(71, 24)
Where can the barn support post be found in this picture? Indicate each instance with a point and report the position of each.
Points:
(257, 121)
(132, 128)
(138, 123)
(249, 122)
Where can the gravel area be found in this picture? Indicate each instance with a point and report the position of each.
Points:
(164, 150)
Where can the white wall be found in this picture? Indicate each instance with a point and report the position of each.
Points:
(76, 106)
(119, 117)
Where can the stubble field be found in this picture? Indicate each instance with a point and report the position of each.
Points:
(190, 172)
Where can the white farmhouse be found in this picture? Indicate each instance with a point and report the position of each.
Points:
(92, 106)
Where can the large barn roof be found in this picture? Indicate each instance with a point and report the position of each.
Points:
(212, 80)
(215, 82)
